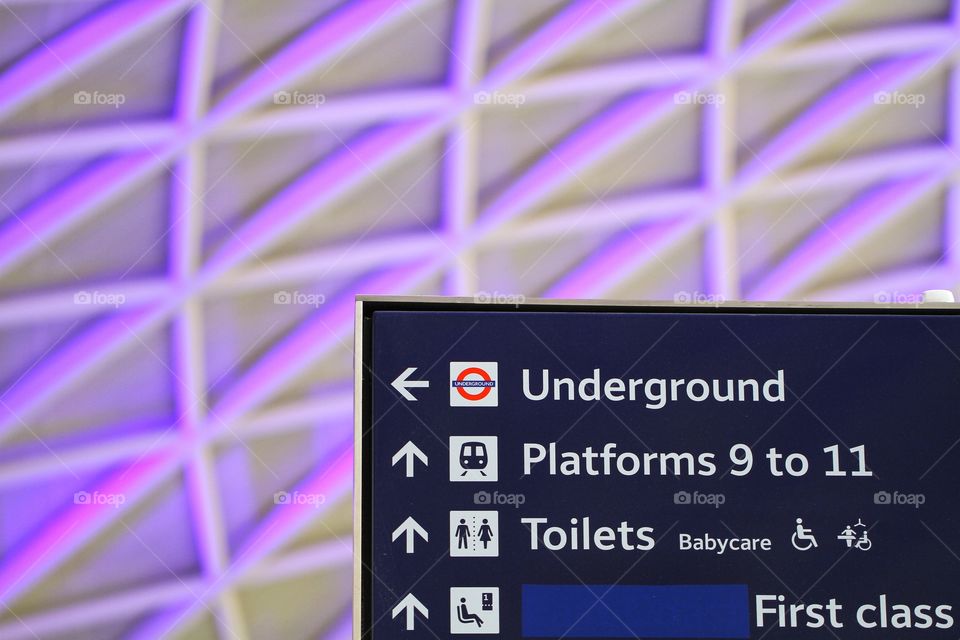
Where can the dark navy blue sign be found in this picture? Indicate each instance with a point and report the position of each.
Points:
(555, 473)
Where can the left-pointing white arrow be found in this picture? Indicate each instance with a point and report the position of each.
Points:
(401, 384)
(410, 604)
(409, 527)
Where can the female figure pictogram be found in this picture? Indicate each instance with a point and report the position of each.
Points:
(485, 533)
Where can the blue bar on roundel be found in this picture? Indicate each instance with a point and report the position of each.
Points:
(635, 611)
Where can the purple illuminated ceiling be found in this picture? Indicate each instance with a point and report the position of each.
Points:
(193, 192)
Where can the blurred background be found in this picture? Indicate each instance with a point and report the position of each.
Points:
(193, 192)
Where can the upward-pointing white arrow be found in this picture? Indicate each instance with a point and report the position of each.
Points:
(410, 604)
(401, 383)
(409, 451)
(410, 527)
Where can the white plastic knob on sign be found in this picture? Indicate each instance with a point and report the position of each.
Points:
(938, 296)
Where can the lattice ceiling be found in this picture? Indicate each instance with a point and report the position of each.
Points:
(171, 169)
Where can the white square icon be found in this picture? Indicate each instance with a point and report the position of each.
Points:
(473, 459)
(473, 384)
(474, 534)
(474, 610)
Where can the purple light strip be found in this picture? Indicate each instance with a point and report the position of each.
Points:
(843, 231)
(70, 530)
(591, 143)
(572, 24)
(333, 34)
(66, 365)
(837, 108)
(60, 57)
(53, 215)
(332, 178)
(614, 262)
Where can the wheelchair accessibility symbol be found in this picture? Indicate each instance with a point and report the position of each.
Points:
(803, 538)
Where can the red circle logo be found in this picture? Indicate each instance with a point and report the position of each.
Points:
(484, 391)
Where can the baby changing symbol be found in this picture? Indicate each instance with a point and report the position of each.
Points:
(856, 536)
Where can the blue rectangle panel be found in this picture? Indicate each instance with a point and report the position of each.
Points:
(635, 611)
